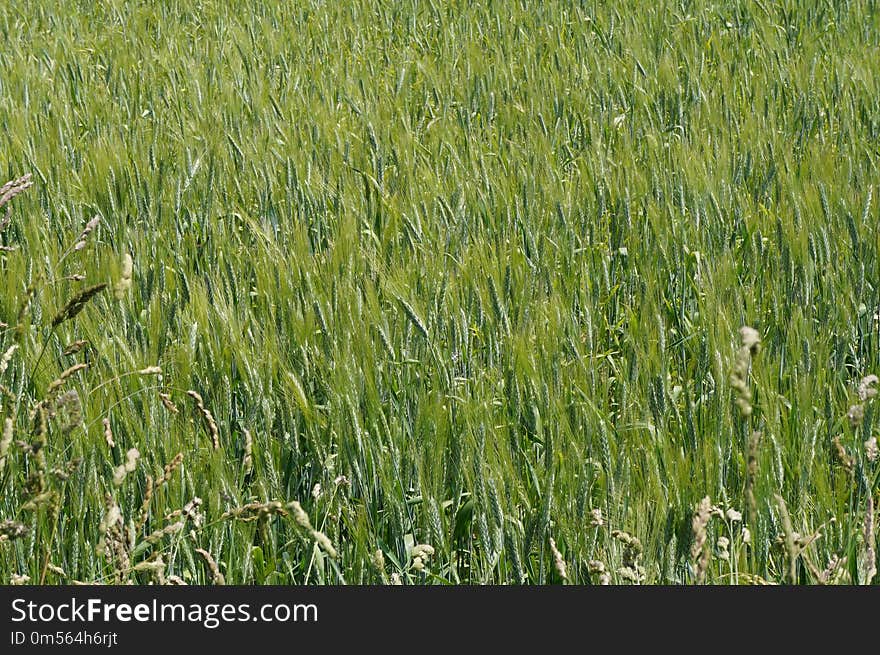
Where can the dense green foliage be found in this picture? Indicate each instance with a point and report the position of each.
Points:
(476, 269)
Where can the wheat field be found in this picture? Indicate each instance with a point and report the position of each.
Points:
(425, 292)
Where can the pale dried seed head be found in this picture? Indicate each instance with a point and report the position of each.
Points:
(119, 473)
(11, 529)
(216, 576)
(867, 390)
(167, 402)
(108, 433)
(247, 461)
(156, 567)
(75, 305)
(57, 570)
(7, 356)
(91, 225)
(169, 470)
(5, 442)
(302, 519)
(123, 284)
(842, 456)
(750, 341)
(424, 551)
(871, 449)
(145, 505)
(58, 382)
(131, 458)
(869, 566)
(750, 338)
(558, 560)
(856, 415)
(75, 347)
(699, 553)
(300, 515)
(167, 531)
(11, 189)
(207, 417)
(324, 542)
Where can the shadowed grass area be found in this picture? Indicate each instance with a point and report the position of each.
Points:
(457, 279)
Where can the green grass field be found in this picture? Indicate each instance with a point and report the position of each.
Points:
(466, 281)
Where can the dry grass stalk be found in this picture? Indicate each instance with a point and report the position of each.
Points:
(167, 531)
(216, 577)
(866, 389)
(71, 406)
(75, 305)
(597, 569)
(5, 442)
(189, 512)
(169, 470)
(67, 469)
(112, 543)
(842, 456)
(89, 228)
(832, 572)
(82, 238)
(790, 538)
(75, 347)
(869, 567)
(7, 356)
(156, 567)
(872, 452)
(169, 405)
(558, 561)
(255, 511)
(11, 530)
(108, 433)
(247, 461)
(39, 501)
(302, 519)
(144, 512)
(632, 551)
(121, 471)
(58, 382)
(699, 552)
(208, 418)
(57, 570)
(750, 342)
(8, 191)
(751, 477)
(125, 275)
